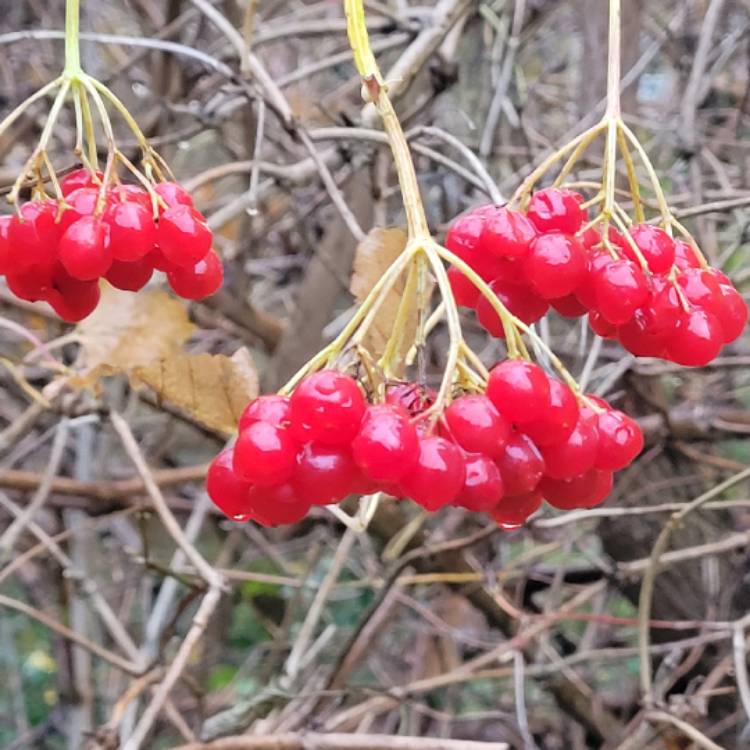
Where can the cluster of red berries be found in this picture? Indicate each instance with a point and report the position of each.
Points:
(57, 252)
(527, 438)
(548, 257)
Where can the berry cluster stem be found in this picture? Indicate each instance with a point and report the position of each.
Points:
(72, 47)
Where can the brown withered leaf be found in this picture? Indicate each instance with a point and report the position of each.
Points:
(372, 258)
(212, 389)
(129, 330)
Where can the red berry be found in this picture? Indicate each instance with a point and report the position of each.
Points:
(32, 283)
(5, 254)
(731, 311)
(642, 335)
(464, 291)
(72, 299)
(519, 300)
(132, 194)
(584, 491)
(227, 491)
(264, 454)
(577, 454)
(519, 390)
(84, 248)
(183, 236)
(621, 288)
(475, 424)
(569, 306)
(483, 484)
(512, 512)
(699, 287)
(590, 238)
(173, 194)
(277, 505)
(556, 265)
(696, 339)
(600, 326)
(79, 203)
(273, 409)
(131, 276)
(521, 465)
(33, 236)
(132, 233)
(586, 290)
(507, 233)
(620, 440)
(386, 446)
(685, 256)
(79, 178)
(560, 419)
(558, 210)
(438, 475)
(462, 239)
(199, 281)
(324, 474)
(656, 246)
(160, 263)
(327, 407)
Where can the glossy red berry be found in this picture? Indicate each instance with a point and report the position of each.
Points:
(656, 246)
(556, 265)
(519, 390)
(386, 446)
(464, 291)
(276, 505)
(519, 300)
(273, 409)
(577, 454)
(560, 418)
(79, 178)
(732, 310)
(475, 424)
(132, 194)
(33, 236)
(173, 194)
(600, 326)
(32, 283)
(507, 233)
(556, 210)
(463, 238)
(438, 475)
(521, 465)
(227, 491)
(512, 512)
(586, 290)
(264, 454)
(685, 256)
(620, 440)
(621, 288)
(483, 484)
(130, 277)
(569, 306)
(199, 281)
(183, 236)
(324, 474)
(84, 248)
(72, 299)
(79, 203)
(327, 407)
(696, 339)
(642, 335)
(700, 287)
(584, 491)
(132, 232)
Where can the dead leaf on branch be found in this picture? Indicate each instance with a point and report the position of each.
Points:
(211, 388)
(128, 330)
(142, 336)
(371, 260)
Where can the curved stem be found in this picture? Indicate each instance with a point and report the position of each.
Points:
(72, 51)
(377, 92)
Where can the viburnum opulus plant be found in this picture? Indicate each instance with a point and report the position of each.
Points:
(120, 222)
(500, 440)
